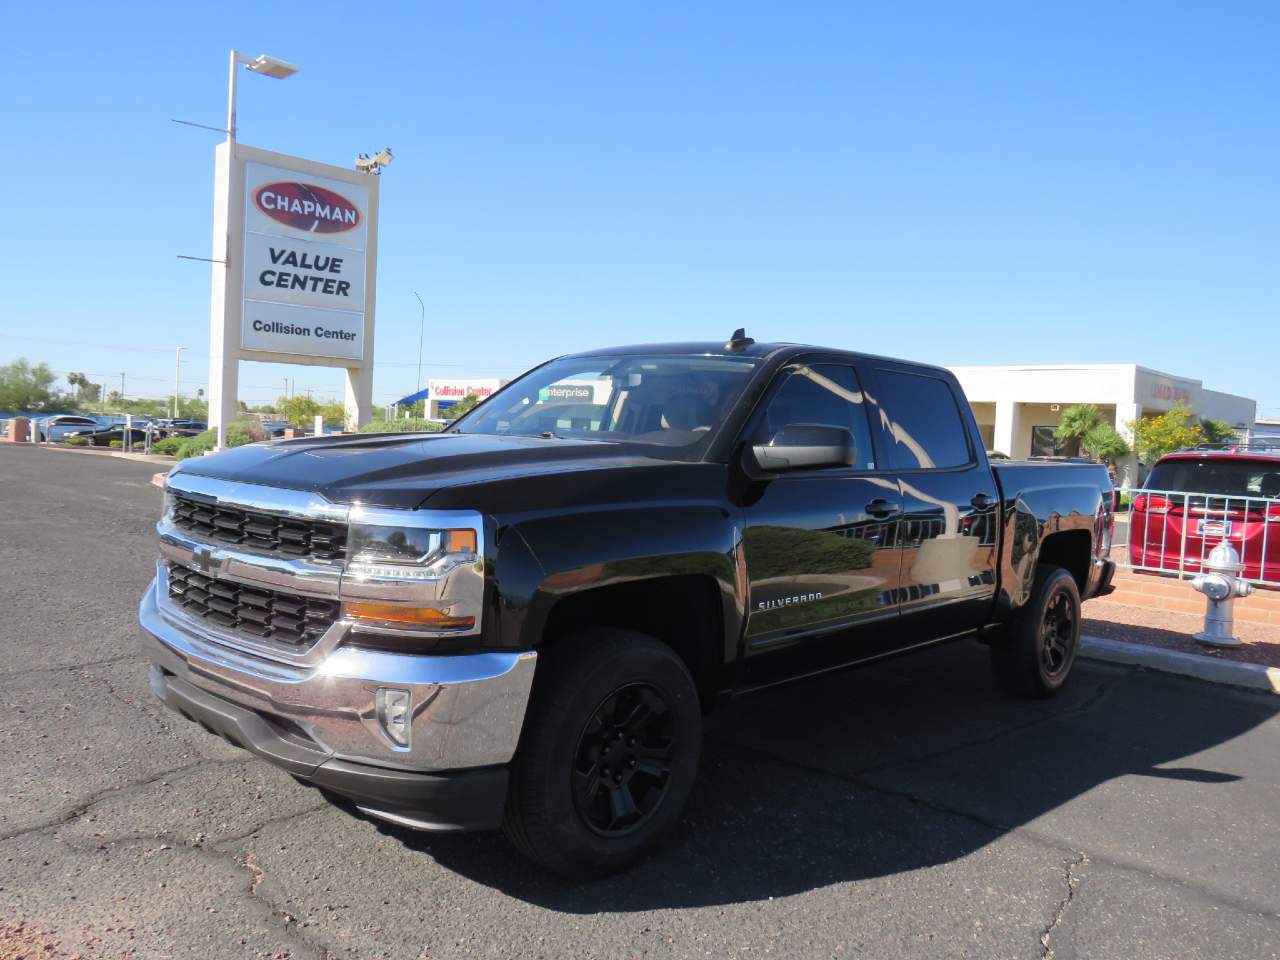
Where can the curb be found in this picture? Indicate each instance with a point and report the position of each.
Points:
(100, 452)
(1253, 676)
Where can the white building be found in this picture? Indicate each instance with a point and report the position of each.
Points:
(1018, 407)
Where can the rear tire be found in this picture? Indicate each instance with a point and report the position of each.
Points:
(1036, 656)
(608, 755)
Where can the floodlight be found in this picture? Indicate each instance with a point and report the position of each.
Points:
(271, 67)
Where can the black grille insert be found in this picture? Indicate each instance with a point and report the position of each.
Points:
(265, 532)
(270, 614)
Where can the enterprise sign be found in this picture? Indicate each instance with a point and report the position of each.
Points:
(305, 243)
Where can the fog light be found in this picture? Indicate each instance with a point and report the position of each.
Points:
(393, 714)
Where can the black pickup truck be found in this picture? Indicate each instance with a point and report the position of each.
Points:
(521, 621)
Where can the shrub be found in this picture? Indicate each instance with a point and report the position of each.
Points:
(115, 444)
(238, 434)
(168, 446)
(1172, 430)
(402, 426)
(76, 441)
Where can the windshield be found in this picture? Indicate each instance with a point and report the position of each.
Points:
(673, 402)
(1235, 477)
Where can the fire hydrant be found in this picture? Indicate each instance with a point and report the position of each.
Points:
(1221, 584)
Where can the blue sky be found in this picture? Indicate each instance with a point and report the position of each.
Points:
(957, 183)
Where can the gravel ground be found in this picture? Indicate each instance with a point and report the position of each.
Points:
(1176, 631)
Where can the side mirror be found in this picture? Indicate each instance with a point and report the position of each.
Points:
(806, 446)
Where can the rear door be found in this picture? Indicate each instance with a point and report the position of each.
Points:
(947, 536)
(819, 543)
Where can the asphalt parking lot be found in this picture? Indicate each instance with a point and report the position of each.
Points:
(907, 810)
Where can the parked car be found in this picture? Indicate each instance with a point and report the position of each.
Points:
(103, 434)
(56, 428)
(521, 621)
(1195, 499)
(170, 427)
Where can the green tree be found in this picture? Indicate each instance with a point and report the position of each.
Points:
(334, 413)
(1076, 421)
(1084, 424)
(1155, 436)
(300, 409)
(461, 407)
(86, 391)
(1104, 443)
(1216, 431)
(28, 388)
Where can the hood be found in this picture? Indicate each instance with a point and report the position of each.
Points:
(402, 470)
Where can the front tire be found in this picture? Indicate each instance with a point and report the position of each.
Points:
(608, 755)
(1036, 656)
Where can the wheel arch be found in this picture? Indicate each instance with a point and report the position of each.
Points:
(685, 612)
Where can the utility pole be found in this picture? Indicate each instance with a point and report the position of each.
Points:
(122, 388)
(177, 377)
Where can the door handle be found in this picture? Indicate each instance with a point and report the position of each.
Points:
(982, 501)
(881, 508)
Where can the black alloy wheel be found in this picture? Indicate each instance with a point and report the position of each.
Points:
(1035, 657)
(622, 765)
(608, 753)
(1057, 633)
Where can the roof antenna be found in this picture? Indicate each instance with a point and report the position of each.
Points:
(739, 340)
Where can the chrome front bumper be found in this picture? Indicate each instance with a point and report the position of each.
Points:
(467, 710)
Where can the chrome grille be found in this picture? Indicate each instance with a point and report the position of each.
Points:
(264, 532)
(269, 614)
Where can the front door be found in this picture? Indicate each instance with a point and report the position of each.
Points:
(819, 543)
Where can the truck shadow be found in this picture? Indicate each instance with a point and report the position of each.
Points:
(909, 764)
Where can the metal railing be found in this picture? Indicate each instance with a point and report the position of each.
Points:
(1174, 531)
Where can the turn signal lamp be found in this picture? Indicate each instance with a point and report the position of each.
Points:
(397, 615)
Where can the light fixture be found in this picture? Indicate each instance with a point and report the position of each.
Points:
(374, 164)
(393, 714)
(271, 67)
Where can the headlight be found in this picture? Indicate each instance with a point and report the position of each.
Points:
(170, 502)
(409, 553)
(408, 579)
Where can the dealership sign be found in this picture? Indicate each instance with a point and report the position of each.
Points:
(305, 252)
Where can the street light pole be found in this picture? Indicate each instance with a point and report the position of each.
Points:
(231, 97)
(277, 70)
(177, 377)
(422, 324)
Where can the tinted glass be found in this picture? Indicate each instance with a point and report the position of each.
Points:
(921, 414)
(822, 393)
(1241, 478)
(670, 402)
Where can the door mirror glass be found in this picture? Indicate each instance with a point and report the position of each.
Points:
(806, 446)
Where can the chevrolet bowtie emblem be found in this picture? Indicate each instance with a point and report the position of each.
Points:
(204, 559)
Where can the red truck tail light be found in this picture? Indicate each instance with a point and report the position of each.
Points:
(1151, 504)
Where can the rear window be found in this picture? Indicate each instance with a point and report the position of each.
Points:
(923, 419)
(1235, 477)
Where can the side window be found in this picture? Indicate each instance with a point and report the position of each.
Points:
(822, 393)
(920, 414)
